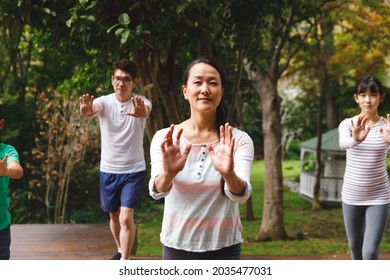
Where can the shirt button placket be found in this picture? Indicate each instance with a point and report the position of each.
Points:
(202, 160)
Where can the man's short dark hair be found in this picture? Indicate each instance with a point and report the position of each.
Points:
(126, 66)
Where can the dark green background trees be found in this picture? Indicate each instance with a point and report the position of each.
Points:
(291, 69)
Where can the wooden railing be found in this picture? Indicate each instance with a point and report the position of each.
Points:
(330, 190)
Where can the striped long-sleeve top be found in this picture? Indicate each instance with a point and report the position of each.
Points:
(366, 181)
(200, 214)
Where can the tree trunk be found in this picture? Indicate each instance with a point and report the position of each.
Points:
(148, 88)
(158, 86)
(328, 89)
(316, 204)
(332, 108)
(272, 226)
(331, 84)
(249, 215)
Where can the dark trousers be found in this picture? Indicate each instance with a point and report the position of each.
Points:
(5, 243)
(228, 253)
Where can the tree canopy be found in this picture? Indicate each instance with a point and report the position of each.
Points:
(286, 62)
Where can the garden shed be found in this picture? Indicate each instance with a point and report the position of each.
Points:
(333, 161)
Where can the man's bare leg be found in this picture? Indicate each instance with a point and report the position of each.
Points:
(127, 231)
(115, 228)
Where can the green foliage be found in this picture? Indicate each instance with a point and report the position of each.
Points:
(84, 198)
(26, 206)
(67, 45)
(92, 77)
(87, 216)
(123, 30)
(299, 115)
(252, 120)
(309, 165)
(293, 151)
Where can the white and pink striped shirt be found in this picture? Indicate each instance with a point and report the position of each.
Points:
(366, 181)
(197, 216)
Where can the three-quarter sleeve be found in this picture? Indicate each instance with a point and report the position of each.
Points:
(243, 159)
(346, 140)
(156, 163)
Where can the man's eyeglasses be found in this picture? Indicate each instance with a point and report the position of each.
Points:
(125, 80)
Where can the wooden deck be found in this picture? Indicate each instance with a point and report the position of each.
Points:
(94, 242)
(61, 242)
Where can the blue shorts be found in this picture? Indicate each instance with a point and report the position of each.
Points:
(120, 190)
(5, 243)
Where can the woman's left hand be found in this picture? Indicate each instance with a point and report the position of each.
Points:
(385, 130)
(223, 159)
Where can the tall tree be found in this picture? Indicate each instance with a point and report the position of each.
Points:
(279, 31)
(153, 34)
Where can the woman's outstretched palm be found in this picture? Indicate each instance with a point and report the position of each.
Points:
(385, 130)
(172, 158)
(223, 158)
(360, 129)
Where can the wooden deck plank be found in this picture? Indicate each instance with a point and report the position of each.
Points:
(95, 242)
(61, 242)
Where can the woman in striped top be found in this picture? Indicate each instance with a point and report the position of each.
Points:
(366, 188)
(202, 167)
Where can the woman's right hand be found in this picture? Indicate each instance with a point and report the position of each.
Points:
(360, 130)
(172, 158)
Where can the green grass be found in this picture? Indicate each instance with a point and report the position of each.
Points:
(310, 232)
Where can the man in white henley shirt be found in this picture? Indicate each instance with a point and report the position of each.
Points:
(122, 118)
